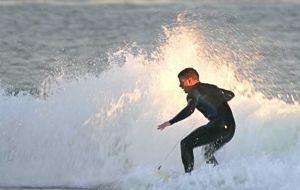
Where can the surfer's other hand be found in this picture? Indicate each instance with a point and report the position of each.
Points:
(164, 125)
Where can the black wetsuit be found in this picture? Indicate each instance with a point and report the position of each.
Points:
(211, 101)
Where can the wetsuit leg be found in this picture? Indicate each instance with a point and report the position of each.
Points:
(227, 131)
(208, 154)
(208, 134)
(201, 136)
(210, 149)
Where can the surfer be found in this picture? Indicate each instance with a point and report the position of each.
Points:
(211, 101)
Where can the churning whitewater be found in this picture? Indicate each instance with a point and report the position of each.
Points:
(102, 130)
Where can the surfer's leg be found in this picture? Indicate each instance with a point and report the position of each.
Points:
(210, 149)
(208, 154)
(187, 155)
(198, 137)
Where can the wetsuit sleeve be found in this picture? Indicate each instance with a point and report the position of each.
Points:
(185, 112)
(228, 95)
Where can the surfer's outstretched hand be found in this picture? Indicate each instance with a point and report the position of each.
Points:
(164, 125)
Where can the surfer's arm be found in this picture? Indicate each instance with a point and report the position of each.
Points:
(185, 112)
(228, 95)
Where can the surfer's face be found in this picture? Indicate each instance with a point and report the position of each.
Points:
(185, 84)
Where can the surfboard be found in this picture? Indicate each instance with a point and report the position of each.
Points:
(164, 175)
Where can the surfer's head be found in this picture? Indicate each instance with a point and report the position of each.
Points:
(188, 77)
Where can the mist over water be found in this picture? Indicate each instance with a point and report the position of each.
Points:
(100, 130)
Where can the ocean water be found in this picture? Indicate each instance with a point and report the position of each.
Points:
(84, 85)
